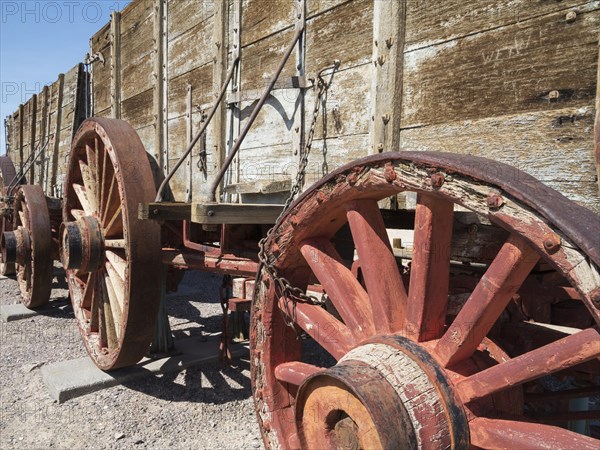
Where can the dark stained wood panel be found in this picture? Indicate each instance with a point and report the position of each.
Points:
(512, 69)
(430, 22)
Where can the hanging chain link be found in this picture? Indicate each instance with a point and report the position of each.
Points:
(283, 287)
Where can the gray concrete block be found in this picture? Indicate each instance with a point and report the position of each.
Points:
(10, 313)
(70, 379)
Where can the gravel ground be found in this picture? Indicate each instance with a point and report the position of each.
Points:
(205, 407)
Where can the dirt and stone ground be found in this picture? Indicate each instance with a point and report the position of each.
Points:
(207, 407)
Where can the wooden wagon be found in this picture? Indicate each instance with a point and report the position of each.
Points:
(423, 298)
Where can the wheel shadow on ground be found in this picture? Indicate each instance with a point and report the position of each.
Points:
(204, 384)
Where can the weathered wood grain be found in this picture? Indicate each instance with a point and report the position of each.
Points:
(137, 58)
(528, 66)
(115, 65)
(191, 49)
(200, 79)
(429, 23)
(554, 146)
(261, 18)
(386, 86)
(183, 15)
(137, 110)
(344, 33)
(134, 15)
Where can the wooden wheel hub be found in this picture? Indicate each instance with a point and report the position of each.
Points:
(82, 246)
(385, 393)
(16, 246)
(351, 406)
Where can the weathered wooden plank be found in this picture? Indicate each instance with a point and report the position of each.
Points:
(260, 60)
(101, 75)
(186, 14)
(200, 79)
(344, 33)
(135, 14)
(597, 125)
(316, 7)
(259, 21)
(235, 213)
(553, 146)
(523, 67)
(220, 69)
(57, 131)
(115, 65)
(165, 211)
(386, 86)
(43, 134)
(191, 49)
(159, 77)
(138, 110)
(136, 57)
(429, 23)
(32, 104)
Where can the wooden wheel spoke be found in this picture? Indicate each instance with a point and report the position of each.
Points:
(378, 265)
(295, 372)
(77, 213)
(115, 225)
(108, 316)
(102, 183)
(117, 262)
(562, 354)
(89, 184)
(110, 205)
(115, 243)
(96, 304)
(330, 333)
(117, 303)
(82, 197)
(497, 433)
(22, 218)
(117, 284)
(506, 273)
(344, 290)
(86, 298)
(430, 268)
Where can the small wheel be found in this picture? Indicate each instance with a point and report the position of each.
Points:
(29, 246)
(112, 259)
(7, 175)
(402, 357)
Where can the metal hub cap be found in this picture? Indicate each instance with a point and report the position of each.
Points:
(82, 246)
(16, 246)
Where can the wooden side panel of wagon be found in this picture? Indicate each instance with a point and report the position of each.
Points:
(511, 81)
(45, 124)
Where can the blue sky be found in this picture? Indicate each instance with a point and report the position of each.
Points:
(39, 40)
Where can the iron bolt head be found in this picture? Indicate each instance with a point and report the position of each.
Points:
(210, 213)
(552, 243)
(553, 95)
(389, 173)
(494, 201)
(437, 180)
(571, 16)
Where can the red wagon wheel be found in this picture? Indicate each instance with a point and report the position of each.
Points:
(112, 259)
(7, 175)
(407, 369)
(29, 246)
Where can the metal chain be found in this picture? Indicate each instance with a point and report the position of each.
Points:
(283, 287)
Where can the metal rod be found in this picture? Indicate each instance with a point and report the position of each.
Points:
(199, 134)
(238, 143)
